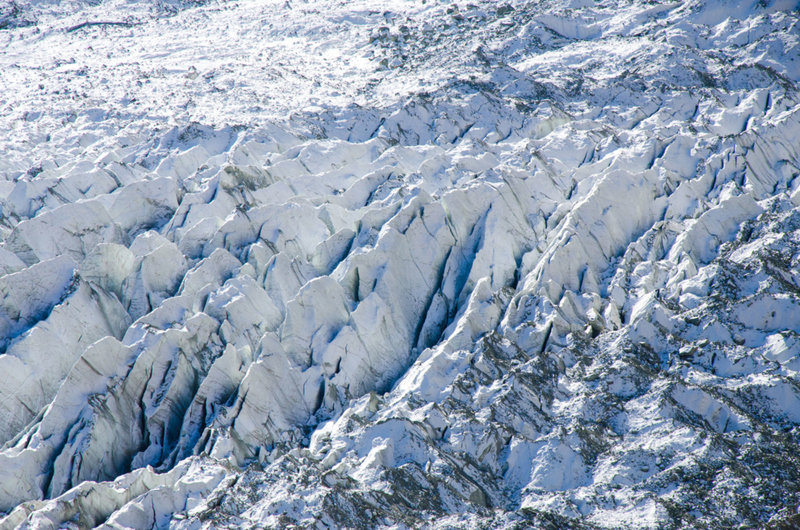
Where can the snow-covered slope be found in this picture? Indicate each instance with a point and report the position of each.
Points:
(350, 264)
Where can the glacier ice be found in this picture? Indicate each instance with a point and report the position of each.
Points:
(427, 265)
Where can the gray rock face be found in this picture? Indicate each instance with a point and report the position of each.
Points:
(444, 266)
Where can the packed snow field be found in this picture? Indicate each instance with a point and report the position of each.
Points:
(399, 265)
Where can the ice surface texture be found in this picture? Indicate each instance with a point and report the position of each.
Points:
(428, 265)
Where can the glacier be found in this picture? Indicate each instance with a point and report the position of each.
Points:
(419, 264)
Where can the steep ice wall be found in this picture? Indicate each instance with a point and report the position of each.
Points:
(267, 264)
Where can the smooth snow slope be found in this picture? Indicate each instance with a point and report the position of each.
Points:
(445, 265)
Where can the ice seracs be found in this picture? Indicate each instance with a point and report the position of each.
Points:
(441, 265)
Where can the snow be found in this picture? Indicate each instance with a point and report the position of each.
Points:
(422, 265)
